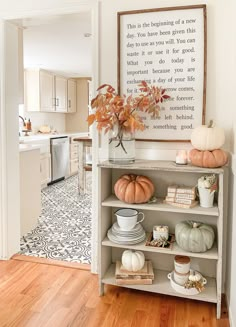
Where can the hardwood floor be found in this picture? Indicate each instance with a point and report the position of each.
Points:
(35, 294)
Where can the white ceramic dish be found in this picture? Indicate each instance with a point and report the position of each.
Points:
(126, 240)
(180, 289)
(136, 230)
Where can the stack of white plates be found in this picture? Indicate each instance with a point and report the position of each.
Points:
(133, 236)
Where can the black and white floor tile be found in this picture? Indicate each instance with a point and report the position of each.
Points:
(64, 226)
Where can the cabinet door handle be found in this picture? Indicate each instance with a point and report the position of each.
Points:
(57, 103)
(69, 104)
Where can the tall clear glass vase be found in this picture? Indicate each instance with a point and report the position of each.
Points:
(121, 146)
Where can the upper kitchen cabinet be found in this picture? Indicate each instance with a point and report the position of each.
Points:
(71, 89)
(45, 91)
(39, 90)
(60, 93)
(45, 101)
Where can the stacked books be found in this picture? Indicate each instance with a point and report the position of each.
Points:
(144, 276)
(181, 196)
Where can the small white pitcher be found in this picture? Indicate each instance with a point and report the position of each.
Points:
(206, 197)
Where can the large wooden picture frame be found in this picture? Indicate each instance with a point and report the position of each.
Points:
(166, 47)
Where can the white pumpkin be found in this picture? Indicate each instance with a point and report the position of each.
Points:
(195, 278)
(194, 236)
(208, 137)
(133, 260)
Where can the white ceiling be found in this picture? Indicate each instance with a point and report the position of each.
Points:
(59, 44)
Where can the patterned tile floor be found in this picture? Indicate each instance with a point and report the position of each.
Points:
(64, 226)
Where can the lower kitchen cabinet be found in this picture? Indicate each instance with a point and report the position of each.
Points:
(74, 157)
(211, 264)
(45, 169)
(74, 164)
(30, 191)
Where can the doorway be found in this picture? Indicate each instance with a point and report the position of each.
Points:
(11, 248)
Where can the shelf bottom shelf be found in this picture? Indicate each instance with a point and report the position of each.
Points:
(161, 285)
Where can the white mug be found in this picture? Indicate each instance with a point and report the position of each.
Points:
(127, 219)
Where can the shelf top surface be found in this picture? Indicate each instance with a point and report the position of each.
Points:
(211, 254)
(161, 284)
(112, 201)
(161, 165)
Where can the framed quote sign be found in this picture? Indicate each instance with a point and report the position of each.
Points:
(167, 48)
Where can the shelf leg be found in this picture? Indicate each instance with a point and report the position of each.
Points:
(101, 289)
(218, 309)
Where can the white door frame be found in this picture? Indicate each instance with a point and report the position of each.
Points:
(8, 244)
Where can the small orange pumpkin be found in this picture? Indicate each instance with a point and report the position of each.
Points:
(132, 188)
(208, 159)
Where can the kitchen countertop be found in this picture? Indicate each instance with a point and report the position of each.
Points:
(28, 147)
(41, 136)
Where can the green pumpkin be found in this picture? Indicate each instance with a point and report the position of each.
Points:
(194, 236)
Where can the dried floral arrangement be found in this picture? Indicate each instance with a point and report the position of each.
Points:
(195, 280)
(195, 284)
(208, 182)
(161, 242)
(112, 109)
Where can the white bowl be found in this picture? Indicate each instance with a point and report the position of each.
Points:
(181, 289)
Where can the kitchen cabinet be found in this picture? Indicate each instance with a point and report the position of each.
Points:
(45, 169)
(45, 91)
(39, 90)
(71, 92)
(164, 173)
(30, 191)
(60, 93)
(74, 157)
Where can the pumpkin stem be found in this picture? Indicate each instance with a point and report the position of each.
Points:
(195, 225)
(210, 125)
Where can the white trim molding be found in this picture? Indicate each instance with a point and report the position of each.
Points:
(95, 147)
(3, 163)
(233, 164)
(9, 155)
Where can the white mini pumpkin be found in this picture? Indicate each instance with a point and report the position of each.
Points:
(194, 236)
(133, 260)
(208, 137)
(195, 278)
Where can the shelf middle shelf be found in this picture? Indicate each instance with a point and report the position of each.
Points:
(112, 201)
(211, 254)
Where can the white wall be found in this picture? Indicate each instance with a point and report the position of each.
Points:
(55, 120)
(57, 44)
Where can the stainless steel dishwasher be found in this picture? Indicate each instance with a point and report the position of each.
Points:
(59, 158)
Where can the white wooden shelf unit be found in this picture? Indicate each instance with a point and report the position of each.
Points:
(163, 174)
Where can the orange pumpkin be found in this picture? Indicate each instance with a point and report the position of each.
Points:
(208, 159)
(132, 188)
